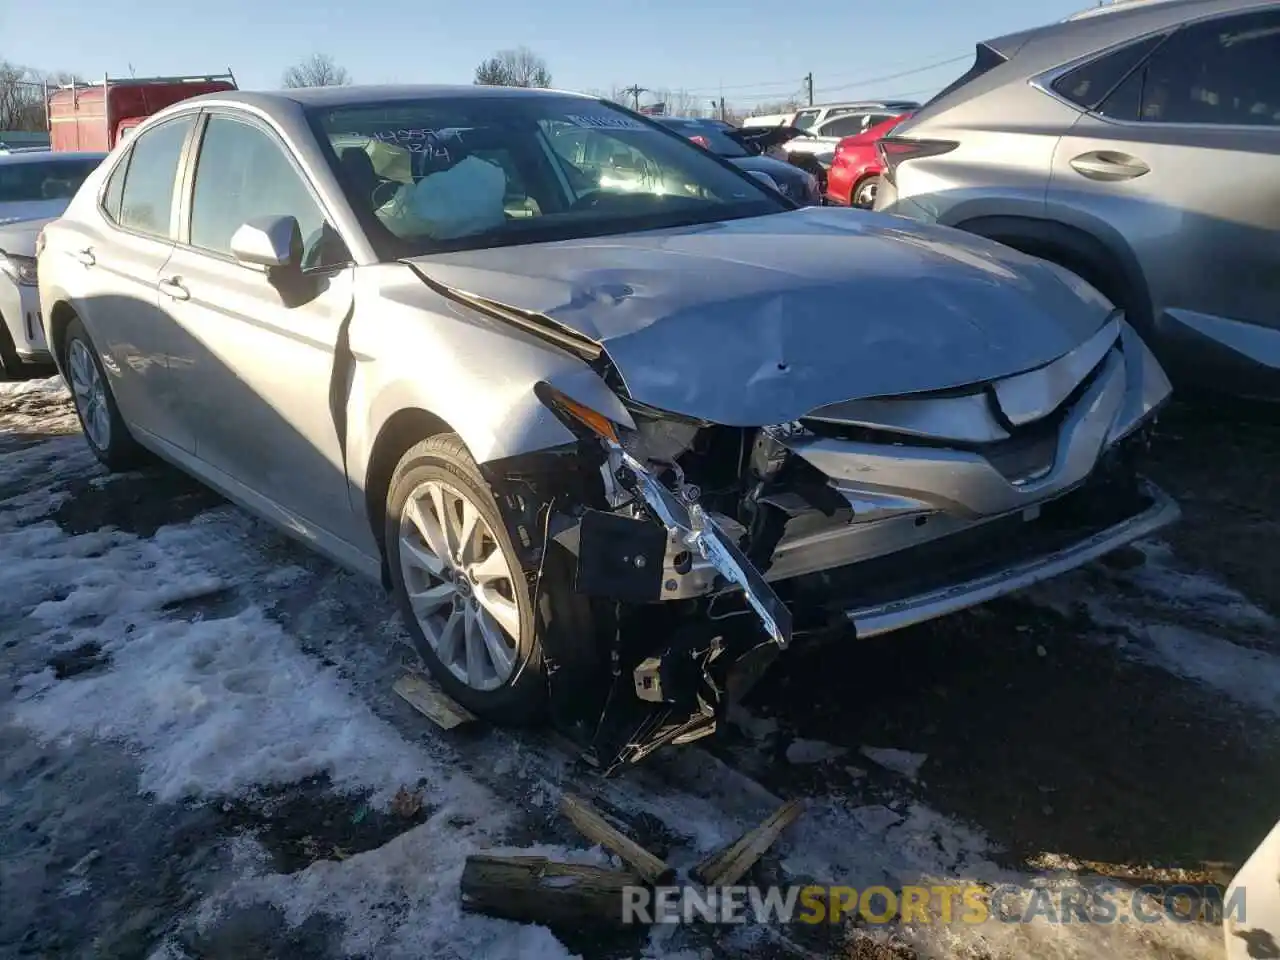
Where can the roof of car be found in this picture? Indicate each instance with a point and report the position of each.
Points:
(46, 156)
(343, 96)
(1115, 22)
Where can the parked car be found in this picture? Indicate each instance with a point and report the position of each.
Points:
(1251, 914)
(34, 187)
(39, 184)
(854, 177)
(825, 133)
(21, 332)
(563, 438)
(809, 118)
(1138, 148)
(744, 152)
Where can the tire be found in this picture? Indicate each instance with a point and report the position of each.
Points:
(10, 365)
(863, 195)
(442, 463)
(104, 429)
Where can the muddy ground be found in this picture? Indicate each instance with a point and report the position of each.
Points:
(199, 746)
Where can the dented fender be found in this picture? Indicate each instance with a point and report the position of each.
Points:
(476, 374)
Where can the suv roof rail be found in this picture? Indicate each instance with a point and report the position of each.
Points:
(1107, 6)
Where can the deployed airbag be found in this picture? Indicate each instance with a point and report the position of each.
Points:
(463, 200)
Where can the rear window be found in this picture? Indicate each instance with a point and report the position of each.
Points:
(1088, 84)
(710, 136)
(985, 60)
(46, 180)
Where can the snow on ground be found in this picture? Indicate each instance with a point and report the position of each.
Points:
(1197, 628)
(229, 664)
(35, 407)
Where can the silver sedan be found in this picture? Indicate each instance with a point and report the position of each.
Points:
(583, 395)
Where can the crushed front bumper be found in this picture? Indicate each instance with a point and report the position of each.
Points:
(870, 620)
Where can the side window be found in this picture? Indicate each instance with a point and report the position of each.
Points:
(115, 189)
(804, 119)
(243, 172)
(147, 198)
(1088, 84)
(1222, 71)
(845, 126)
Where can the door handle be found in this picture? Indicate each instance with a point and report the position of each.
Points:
(86, 256)
(1107, 165)
(173, 289)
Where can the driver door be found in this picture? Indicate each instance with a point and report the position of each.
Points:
(256, 372)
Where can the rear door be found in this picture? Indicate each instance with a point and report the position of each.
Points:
(1180, 156)
(257, 370)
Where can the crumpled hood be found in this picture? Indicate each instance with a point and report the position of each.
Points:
(762, 320)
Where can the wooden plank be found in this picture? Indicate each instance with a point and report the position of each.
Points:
(726, 867)
(431, 701)
(567, 896)
(594, 827)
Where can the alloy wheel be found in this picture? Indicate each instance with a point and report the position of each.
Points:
(866, 197)
(90, 394)
(460, 585)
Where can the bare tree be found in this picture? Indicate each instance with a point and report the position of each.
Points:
(318, 70)
(520, 67)
(22, 95)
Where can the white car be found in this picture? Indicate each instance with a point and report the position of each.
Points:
(824, 135)
(35, 187)
(21, 331)
(1257, 887)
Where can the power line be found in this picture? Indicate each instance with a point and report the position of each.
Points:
(894, 76)
(761, 84)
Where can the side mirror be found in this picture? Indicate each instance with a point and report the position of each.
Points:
(271, 242)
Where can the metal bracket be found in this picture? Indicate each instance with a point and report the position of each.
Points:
(700, 532)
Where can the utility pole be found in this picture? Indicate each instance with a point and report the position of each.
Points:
(717, 106)
(808, 87)
(635, 90)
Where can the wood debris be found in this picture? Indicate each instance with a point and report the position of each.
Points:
(429, 700)
(537, 890)
(595, 828)
(729, 865)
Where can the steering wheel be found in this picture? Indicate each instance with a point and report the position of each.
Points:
(380, 191)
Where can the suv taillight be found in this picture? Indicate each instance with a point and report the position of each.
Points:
(894, 151)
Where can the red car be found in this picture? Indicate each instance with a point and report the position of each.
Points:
(854, 176)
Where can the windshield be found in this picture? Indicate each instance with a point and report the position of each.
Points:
(43, 180)
(709, 136)
(452, 174)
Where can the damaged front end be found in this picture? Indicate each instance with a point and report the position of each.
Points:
(713, 546)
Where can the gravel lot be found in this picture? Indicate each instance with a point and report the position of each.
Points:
(200, 746)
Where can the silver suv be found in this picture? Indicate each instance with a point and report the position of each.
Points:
(1138, 147)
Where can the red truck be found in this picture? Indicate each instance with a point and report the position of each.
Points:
(97, 116)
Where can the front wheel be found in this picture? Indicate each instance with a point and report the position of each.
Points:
(104, 428)
(459, 584)
(864, 194)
